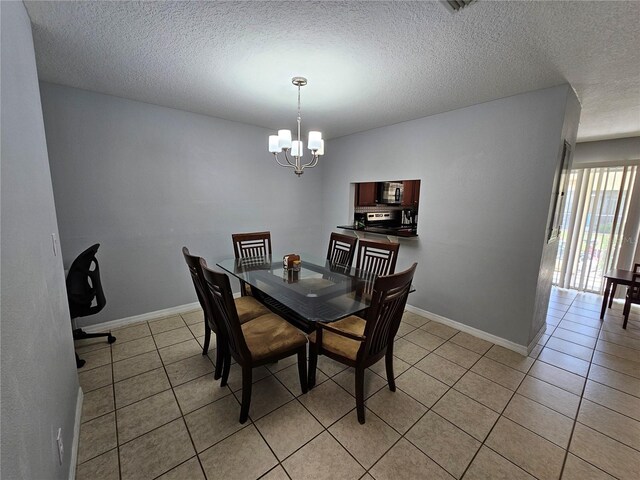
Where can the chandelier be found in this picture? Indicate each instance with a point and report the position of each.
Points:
(293, 150)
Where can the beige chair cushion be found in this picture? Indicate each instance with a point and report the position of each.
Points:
(270, 335)
(249, 308)
(338, 344)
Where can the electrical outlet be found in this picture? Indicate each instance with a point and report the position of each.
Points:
(60, 446)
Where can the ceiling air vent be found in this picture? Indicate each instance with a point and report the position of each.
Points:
(456, 5)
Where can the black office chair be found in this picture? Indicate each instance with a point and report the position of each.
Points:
(83, 287)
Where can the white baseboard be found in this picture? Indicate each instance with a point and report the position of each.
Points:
(113, 324)
(122, 322)
(503, 342)
(76, 435)
(534, 342)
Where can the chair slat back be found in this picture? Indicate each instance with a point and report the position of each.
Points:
(218, 290)
(193, 263)
(377, 258)
(385, 313)
(342, 249)
(255, 244)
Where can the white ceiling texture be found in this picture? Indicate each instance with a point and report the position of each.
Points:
(369, 64)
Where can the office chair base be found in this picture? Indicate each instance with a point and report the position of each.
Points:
(79, 334)
(79, 362)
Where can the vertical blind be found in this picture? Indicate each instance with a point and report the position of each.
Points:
(594, 218)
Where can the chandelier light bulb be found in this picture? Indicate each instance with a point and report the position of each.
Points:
(274, 144)
(285, 138)
(297, 148)
(314, 140)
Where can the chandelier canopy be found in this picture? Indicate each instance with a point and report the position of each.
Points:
(293, 150)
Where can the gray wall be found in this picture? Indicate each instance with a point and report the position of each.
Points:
(604, 152)
(39, 379)
(550, 249)
(144, 180)
(487, 174)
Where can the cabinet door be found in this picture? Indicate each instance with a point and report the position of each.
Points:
(366, 194)
(408, 193)
(411, 195)
(416, 192)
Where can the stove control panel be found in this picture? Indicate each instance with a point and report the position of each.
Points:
(378, 216)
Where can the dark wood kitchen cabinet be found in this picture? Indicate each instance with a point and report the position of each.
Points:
(411, 193)
(366, 194)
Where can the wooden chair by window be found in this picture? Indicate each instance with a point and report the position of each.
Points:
(359, 343)
(377, 258)
(633, 295)
(342, 249)
(254, 244)
(262, 340)
(248, 308)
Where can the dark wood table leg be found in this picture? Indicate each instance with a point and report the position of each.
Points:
(612, 293)
(605, 298)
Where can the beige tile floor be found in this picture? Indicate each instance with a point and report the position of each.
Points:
(464, 408)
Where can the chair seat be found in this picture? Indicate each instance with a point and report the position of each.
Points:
(249, 308)
(339, 345)
(270, 335)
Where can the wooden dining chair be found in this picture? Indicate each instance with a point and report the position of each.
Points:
(263, 340)
(377, 258)
(253, 244)
(633, 295)
(360, 343)
(342, 249)
(248, 308)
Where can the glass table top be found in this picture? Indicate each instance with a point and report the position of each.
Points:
(319, 292)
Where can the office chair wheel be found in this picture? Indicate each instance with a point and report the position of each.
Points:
(111, 338)
(79, 362)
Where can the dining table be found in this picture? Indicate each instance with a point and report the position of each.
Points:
(318, 291)
(614, 277)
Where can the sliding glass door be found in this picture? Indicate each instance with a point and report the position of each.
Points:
(594, 219)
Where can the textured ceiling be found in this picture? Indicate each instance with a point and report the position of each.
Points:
(368, 63)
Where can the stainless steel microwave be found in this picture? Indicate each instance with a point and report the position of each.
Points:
(390, 193)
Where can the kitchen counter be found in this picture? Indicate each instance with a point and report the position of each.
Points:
(404, 232)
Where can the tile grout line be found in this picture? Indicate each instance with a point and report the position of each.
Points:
(252, 422)
(175, 397)
(402, 435)
(494, 424)
(115, 414)
(142, 399)
(449, 388)
(339, 385)
(575, 421)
